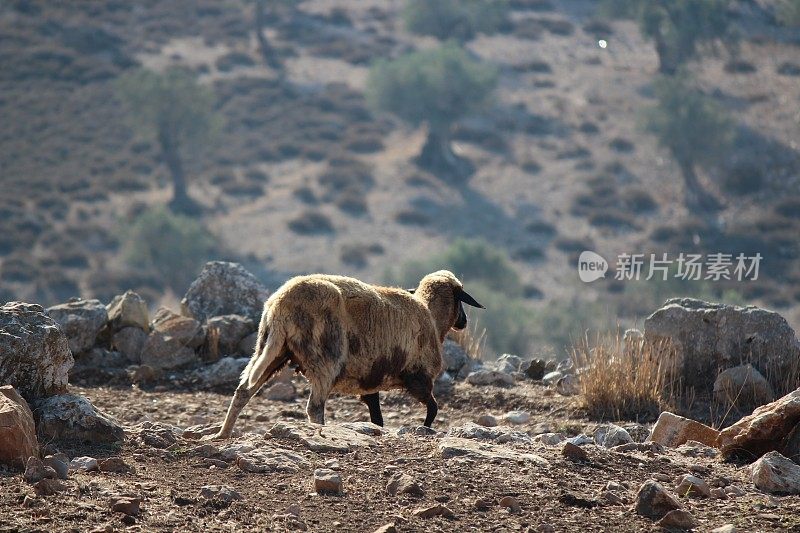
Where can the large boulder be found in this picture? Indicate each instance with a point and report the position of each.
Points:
(73, 417)
(130, 341)
(226, 371)
(184, 329)
(224, 289)
(17, 430)
(228, 331)
(34, 353)
(128, 310)
(769, 428)
(81, 321)
(711, 337)
(163, 352)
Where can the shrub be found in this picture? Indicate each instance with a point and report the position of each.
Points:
(173, 246)
(788, 12)
(455, 19)
(619, 382)
(311, 223)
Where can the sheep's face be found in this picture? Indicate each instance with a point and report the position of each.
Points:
(446, 293)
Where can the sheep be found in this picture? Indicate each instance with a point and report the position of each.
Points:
(350, 337)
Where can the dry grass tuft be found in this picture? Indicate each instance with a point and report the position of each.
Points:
(472, 339)
(627, 381)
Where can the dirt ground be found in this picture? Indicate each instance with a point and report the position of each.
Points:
(565, 494)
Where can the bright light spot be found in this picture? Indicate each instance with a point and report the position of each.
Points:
(602, 43)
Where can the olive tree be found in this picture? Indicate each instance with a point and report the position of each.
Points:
(677, 27)
(694, 128)
(436, 87)
(171, 108)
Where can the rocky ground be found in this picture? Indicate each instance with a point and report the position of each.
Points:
(497, 479)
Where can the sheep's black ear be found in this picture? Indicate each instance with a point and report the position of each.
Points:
(411, 290)
(467, 299)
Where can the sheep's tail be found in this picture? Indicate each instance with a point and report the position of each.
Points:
(269, 349)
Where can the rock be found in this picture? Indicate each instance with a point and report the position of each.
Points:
(490, 377)
(327, 481)
(734, 491)
(719, 493)
(226, 371)
(49, 487)
(34, 353)
(672, 430)
(792, 447)
(498, 434)
(114, 465)
(365, 428)
(517, 417)
(125, 504)
(678, 519)
(611, 435)
(742, 386)
(229, 330)
(81, 321)
(510, 503)
(487, 421)
(574, 452)
(129, 341)
(98, 358)
(69, 416)
(443, 384)
(653, 501)
(386, 528)
(155, 434)
(483, 504)
(17, 429)
(649, 448)
(549, 439)
(776, 474)
(128, 310)
(248, 344)
(281, 392)
(727, 528)
(508, 363)
(580, 440)
(84, 464)
(267, 459)
(222, 493)
(143, 374)
(552, 377)
(692, 448)
(638, 432)
(35, 470)
(709, 337)
(451, 447)
(766, 429)
(454, 357)
(404, 484)
(535, 369)
(223, 289)
(690, 485)
(163, 352)
(328, 438)
(567, 385)
(186, 330)
(59, 463)
(431, 511)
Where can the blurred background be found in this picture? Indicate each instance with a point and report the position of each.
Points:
(387, 139)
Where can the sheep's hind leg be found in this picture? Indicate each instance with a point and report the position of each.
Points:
(420, 386)
(315, 409)
(373, 402)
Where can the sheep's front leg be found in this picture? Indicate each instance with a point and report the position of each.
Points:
(420, 386)
(373, 402)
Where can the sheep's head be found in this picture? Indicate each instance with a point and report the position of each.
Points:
(445, 296)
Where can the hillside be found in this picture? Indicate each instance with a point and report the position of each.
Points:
(306, 177)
